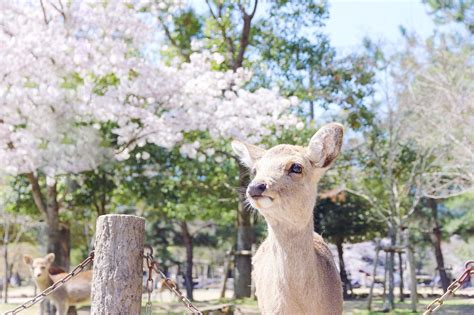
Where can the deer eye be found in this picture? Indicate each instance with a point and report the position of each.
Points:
(254, 172)
(296, 168)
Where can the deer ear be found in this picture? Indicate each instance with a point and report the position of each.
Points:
(247, 153)
(27, 259)
(50, 258)
(325, 145)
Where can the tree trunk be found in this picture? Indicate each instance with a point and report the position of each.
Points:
(436, 241)
(346, 285)
(118, 265)
(400, 266)
(188, 244)
(5, 265)
(243, 263)
(58, 233)
(58, 241)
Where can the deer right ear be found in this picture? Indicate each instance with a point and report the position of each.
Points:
(27, 259)
(325, 145)
(247, 153)
(50, 258)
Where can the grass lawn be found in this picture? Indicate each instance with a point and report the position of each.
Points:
(458, 306)
(454, 306)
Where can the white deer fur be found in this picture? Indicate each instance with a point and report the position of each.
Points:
(76, 290)
(294, 271)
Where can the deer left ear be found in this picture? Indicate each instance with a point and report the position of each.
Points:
(27, 259)
(247, 153)
(325, 145)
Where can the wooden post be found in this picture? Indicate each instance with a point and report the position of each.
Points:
(374, 272)
(228, 265)
(412, 269)
(118, 265)
(386, 271)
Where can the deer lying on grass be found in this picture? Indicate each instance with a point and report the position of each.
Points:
(76, 290)
(294, 271)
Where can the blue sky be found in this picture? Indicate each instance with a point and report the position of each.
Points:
(351, 20)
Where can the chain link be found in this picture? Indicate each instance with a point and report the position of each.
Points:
(40, 297)
(149, 285)
(453, 287)
(154, 266)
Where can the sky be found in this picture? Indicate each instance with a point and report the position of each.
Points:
(351, 20)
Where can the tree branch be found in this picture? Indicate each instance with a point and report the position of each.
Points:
(44, 12)
(37, 194)
(244, 38)
(60, 11)
(227, 39)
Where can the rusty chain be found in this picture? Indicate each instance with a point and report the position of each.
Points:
(153, 265)
(40, 297)
(453, 287)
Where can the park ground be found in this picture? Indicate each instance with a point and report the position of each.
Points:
(463, 304)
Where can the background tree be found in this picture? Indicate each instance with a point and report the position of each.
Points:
(446, 11)
(189, 193)
(15, 226)
(436, 86)
(342, 217)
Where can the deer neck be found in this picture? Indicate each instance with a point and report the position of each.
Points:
(291, 242)
(44, 283)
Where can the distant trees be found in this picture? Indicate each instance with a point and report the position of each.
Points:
(419, 147)
(15, 226)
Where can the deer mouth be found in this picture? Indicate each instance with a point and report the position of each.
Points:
(261, 201)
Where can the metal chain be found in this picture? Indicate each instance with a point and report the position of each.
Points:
(40, 297)
(453, 287)
(149, 286)
(154, 266)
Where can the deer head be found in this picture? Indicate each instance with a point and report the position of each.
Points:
(39, 267)
(285, 177)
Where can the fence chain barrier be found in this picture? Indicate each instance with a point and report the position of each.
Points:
(40, 297)
(453, 287)
(153, 265)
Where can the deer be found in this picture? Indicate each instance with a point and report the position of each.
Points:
(76, 290)
(293, 269)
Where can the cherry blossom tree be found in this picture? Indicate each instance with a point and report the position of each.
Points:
(80, 84)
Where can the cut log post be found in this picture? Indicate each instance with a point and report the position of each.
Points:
(374, 273)
(118, 265)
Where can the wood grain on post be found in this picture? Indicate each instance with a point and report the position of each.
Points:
(118, 265)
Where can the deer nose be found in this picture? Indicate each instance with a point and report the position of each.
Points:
(256, 190)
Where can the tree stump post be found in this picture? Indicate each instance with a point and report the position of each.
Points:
(118, 265)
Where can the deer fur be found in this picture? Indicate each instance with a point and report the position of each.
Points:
(76, 290)
(294, 271)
